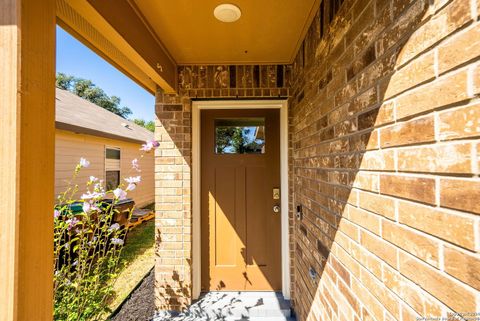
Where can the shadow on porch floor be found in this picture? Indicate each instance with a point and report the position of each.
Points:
(233, 306)
(212, 306)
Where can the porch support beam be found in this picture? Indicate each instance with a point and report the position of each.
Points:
(129, 44)
(27, 128)
(138, 33)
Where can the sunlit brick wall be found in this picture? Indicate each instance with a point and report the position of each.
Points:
(173, 237)
(173, 174)
(385, 131)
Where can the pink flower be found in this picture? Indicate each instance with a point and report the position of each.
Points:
(71, 223)
(114, 227)
(149, 145)
(86, 207)
(132, 182)
(117, 241)
(84, 163)
(135, 165)
(56, 213)
(95, 195)
(120, 194)
(133, 179)
(98, 187)
(93, 179)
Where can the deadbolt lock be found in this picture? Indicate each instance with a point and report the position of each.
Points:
(276, 193)
(276, 209)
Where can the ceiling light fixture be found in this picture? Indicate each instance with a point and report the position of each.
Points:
(227, 12)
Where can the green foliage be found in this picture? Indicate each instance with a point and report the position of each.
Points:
(88, 90)
(230, 139)
(150, 125)
(87, 248)
(227, 137)
(64, 81)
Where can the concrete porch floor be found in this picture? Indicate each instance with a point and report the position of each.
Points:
(230, 306)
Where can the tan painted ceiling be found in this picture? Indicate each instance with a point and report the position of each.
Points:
(269, 31)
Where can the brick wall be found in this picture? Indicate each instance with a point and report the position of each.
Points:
(385, 122)
(234, 81)
(172, 202)
(384, 140)
(173, 273)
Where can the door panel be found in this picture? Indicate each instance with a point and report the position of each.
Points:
(225, 217)
(241, 245)
(258, 247)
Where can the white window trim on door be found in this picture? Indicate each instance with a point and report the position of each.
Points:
(197, 106)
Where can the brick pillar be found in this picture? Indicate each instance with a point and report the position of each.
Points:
(173, 203)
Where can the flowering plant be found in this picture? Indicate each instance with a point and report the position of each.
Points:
(87, 244)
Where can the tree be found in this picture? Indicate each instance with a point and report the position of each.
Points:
(232, 139)
(64, 81)
(88, 90)
(150, 125)
(226, 139)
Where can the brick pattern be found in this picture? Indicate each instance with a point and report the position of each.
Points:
(385, 128)
(173, 160)
(172, 202)
(385, 157)
(234, 81)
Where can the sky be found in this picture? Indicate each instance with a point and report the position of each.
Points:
(75, 59)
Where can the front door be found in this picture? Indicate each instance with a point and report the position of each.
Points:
(241, 235)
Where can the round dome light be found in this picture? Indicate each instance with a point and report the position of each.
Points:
(227, 12)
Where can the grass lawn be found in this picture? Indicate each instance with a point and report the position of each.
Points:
(136, 260)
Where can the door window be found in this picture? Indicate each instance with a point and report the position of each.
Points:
(240, 136)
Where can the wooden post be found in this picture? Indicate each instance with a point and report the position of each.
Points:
(27, 133)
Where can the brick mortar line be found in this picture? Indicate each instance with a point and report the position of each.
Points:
(361, 285)
(417, 86)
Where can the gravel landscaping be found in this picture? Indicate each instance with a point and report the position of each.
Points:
(140, 306)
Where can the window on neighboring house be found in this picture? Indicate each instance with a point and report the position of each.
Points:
(112, 167)
(112, 179)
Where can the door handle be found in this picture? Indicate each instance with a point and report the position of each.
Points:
(276, 209)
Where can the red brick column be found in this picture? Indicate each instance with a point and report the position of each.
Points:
(172, 203)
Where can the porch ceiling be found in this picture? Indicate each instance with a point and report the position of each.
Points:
(146, 39)
(269, 31)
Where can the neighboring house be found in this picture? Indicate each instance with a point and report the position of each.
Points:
(108, 141)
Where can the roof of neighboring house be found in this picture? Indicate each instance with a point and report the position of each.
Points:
(78, 115)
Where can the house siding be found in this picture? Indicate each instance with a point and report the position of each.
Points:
(70, 147)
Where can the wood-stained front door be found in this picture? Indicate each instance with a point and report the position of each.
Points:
(241, 231)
